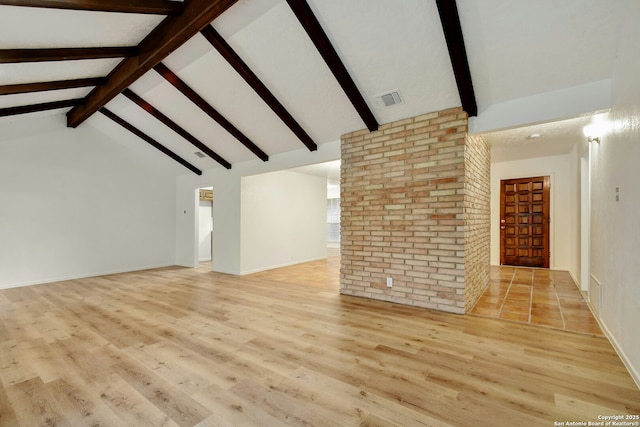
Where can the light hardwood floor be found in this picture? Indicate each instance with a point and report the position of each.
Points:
(188, 347)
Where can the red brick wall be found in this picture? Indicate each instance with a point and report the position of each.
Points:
(403, 212)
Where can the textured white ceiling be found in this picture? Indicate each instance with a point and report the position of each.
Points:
(556, 138)
(515, 48)
(30, 28)
(50, 71)
(218, 83)
(40, 97)
(281, 54)
(242, 14)
(521, 48)
(390, 45)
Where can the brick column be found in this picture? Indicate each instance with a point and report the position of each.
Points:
(477, 217)
(403, 213)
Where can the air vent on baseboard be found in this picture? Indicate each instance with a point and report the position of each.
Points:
(390, 98)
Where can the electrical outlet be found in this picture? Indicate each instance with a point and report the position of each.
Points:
(389, 282)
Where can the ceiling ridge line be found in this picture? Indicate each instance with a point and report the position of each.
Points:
(134, 130)
(201, 103)
(175, 127)
(233, 59)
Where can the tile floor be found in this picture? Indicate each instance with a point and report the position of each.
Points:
(536, 296)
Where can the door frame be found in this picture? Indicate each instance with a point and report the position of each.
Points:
(199, 200)
(547, 219)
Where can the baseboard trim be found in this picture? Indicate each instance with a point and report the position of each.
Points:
(633, 372)
(82, 276)
(271, 267)
(635, 375)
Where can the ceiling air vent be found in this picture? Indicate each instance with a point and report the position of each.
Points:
(199, 154)
(391, 98)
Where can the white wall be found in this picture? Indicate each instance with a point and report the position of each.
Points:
(615, 234)
(227, 207)
(284, 220)
(75, 203)
(564, 237)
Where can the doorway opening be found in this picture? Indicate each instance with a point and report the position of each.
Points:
(330, 171)
(524, 221)
(333, 217)
(205, 225)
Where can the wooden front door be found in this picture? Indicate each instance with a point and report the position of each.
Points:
(524, 222)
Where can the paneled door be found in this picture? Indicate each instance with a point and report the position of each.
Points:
(524, 221)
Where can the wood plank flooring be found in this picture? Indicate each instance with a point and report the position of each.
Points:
(189, 347)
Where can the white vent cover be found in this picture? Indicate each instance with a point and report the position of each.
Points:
(199, 154)
(391, 98)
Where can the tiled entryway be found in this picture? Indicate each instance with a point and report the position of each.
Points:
(536, 296)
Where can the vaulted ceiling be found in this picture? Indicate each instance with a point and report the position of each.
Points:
(235, 80)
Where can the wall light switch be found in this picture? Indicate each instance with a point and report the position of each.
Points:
(617, 194)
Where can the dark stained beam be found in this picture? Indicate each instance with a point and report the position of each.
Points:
(455, 43)
(319, 38)
(24, 109)
(153, 7)
(11, 56)
(45, 86)
(256, 84)
(134, 130)
(170, 34)
(175, 127)
(209, 110)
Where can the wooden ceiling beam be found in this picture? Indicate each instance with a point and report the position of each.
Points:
(12, 56)
(175, 127)
(209, 110)
(153, 7)
(256, 84)
(24, 109)
(452, 29)
(170, 34)
(319, 38)
(134, 130)
(46, 86)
